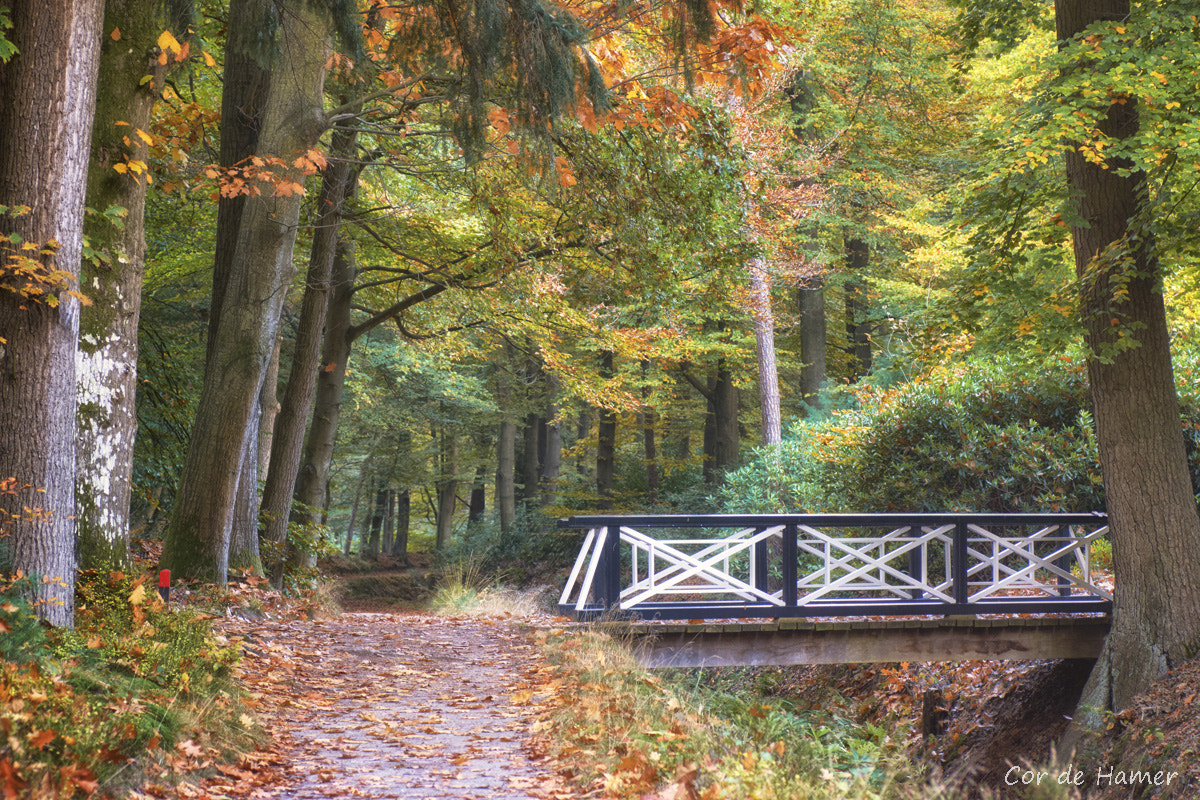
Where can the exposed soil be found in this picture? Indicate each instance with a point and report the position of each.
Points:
(375, 705)
(1157, 735)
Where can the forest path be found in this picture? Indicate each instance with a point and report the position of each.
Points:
(402, 706)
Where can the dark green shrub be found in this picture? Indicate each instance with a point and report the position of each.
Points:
(983, 437)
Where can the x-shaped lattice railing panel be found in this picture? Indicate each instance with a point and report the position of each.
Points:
(851, 555)
(701, 565)
(1022, 576)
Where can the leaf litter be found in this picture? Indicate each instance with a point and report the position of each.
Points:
(404, 706)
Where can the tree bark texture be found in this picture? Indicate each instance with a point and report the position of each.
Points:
(768, 372)
(106, 361)
(447, 491)
(313, 476)
(403, 521)
(288, 439)
(245, 84)
(47, 102)
(196, 543)
(1152, 511)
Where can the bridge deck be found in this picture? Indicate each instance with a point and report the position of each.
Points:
(800, 641)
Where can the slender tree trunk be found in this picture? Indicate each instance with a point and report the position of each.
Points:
(506, 456)
(372, 548)
(288, 440)
(477, 506)
(768, 373)
(389, 522)
(727, 435)
(47, 100)
(530, 472)
(810, 298)
(362, 479)
(108, 350)
(447, 491)
(1152, 510)
(269, 404)
(403, 518)
(858, 326)
(552, 448)
(606, 441)
(313, 476)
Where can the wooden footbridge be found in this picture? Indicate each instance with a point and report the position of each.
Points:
(719, 590)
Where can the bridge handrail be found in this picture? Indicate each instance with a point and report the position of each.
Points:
(982, 570)
(841, 519)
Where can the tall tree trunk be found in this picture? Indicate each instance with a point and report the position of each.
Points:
(244, 554)
(362, 478)
(506, 456)
(768, 373)
(288, 439)
(447, 491)
(810, 298)
(245, 85)
(403, 519)
(389, 522)
(372, 548)
(196, 542)
(477, 505)
(551, 445)
(108, 349)
(313, 476)
(246, 82)
(606, 441)
(1152, 510)
(530, 466)
(858, 325)
(47, 100)
(726, 433)
(649, 443)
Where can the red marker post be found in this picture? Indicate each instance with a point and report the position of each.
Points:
(164, 585)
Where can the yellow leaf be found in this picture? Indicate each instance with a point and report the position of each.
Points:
(138, 596)
(209, 60)
(145, 137)
(121, 168)
(169, 43)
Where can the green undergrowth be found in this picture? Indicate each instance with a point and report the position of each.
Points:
(138, 693)
(619, 731)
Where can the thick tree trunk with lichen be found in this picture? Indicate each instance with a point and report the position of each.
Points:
(196, 542)
(1152, 511)
(106, 361)
(47, 100)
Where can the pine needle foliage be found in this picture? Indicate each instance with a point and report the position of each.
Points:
(524, 55)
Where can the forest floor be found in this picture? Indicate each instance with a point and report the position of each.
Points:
(386, 701)
(395, 705)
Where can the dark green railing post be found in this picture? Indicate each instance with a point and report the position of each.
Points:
(790, 533)
(962, 591)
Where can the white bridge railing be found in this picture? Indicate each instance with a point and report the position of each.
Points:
(715, 566)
